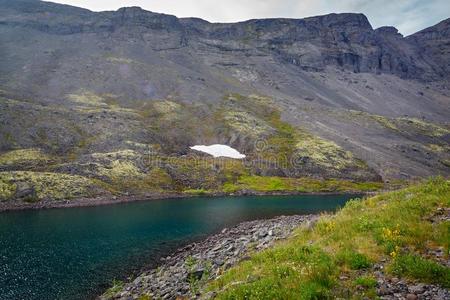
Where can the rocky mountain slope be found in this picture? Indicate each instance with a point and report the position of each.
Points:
(102, 96)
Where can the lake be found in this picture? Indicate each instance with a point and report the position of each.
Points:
(75, 253)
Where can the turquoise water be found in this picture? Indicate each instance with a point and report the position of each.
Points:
(76, 253)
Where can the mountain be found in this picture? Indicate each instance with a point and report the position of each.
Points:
(90, 94)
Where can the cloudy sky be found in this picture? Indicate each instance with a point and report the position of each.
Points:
(408, 16)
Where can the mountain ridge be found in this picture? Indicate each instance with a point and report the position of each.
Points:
(101, 88)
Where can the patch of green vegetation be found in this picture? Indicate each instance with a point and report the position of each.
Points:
(258, 117)
(244, 123)
(425, 128)
(129, 171)
(386, 122)
(405, 124)
(325, 153)
(438, 148)
(417, 267)
(196, 192)
(30, 156)
(304, 185)
(353, 259)
(119, 170)
(366, 281)
(284, 143)
(51, 186)
(160, 178)
(7, 190)
(116, 286)
(166, 107)
(205, 173)
(265, 184)
(87, 98)
(394, 227)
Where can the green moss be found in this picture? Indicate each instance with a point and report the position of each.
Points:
(259, 118)
(87, 98)
(30, 156)
(423, 127)
(54, 186)
(438, 148)
(310, 264)
(7, 189)
(166, 107)
(385, 122)
(404, 125)
(247, 124)
(324, 153)
(159, 178)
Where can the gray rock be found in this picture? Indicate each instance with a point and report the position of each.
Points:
(416, 289)
(25, 191)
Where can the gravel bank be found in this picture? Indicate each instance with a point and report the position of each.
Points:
(183, 273)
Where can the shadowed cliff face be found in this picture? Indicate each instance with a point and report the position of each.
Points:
(354, 101)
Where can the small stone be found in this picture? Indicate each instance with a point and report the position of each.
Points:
(197, 274)
(262, 234)
(417, 289)
(383, 290)
(411, 297)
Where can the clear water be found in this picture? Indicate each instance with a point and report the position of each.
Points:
(76, 253)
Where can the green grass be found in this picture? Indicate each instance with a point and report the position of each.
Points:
(426, 270)
(366, 281)
(196, 192)
(393, 227)
(302, 185)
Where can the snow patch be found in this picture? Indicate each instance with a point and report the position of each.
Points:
(218, 150)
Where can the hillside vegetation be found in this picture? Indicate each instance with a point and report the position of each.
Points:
(344, 100)
(403, 234)
(280, 157)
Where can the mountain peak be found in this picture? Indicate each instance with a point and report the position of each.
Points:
(343, 19)
(388, 30)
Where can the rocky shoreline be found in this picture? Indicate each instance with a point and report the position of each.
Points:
(182, 274)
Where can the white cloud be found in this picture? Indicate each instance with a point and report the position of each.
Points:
(408, 16)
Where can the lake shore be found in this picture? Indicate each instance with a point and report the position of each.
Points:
(111, 199)
(184, 273)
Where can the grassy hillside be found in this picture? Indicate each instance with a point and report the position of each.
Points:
(396, 234)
